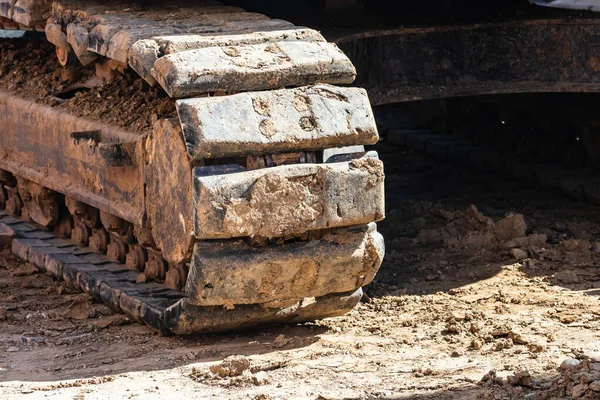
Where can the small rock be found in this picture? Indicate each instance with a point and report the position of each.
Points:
(566, 318)
(519, 254)
(510, 227)
(79, 309)
(281, 341)
(262, 396)
(458, 315)
(111, 320)
(517, 337)
(522, 378)
(559, 227)
(567, 276)
(595, 386)
(579, 390)
(503, 344)
(587, 377)
(536, 347)
(67, 340)
(571, 244)
(455, 354)
(32, 340)
(570, 364)
(477, 344)
(492, 377)
(500, 330)
(231, 366)
(452, 326)
(12, 349)
(474, 328)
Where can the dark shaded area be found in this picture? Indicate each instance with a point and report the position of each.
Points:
(424, 194)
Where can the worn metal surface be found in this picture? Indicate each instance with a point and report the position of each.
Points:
(169, 190)
(142, 54)
(183, 318)
(252, 67)
(92, 162)
(163, 184)
(230, 273)
(511, 57)
(289, 200)
(305, 118)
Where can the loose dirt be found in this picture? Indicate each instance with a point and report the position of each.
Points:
(29, 69)
(488, 291)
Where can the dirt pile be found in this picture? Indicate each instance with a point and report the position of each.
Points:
(30, 70)
(471, 230)
(576, 379)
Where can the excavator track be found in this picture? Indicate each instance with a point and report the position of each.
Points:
(248, 200)
(166, 310)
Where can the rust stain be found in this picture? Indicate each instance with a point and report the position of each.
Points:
(594, 64)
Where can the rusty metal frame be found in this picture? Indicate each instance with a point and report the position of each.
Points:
(50, 147)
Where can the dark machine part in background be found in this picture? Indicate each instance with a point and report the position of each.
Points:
(406, 51)
(518, 77)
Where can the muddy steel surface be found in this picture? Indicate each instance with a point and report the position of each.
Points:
(454, 312)
(213, 170)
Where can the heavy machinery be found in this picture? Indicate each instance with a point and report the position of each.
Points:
(205, 186)
(207, 173)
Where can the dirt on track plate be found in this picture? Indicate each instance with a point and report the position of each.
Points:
(488, 286)
(29, 69)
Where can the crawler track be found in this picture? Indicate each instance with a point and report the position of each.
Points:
(254, 201)
(154, 304)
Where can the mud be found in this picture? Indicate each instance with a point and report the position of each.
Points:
(453, 313)
(31, 70)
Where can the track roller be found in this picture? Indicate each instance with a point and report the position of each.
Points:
(99, 240)
(117, 249)
(87, 215)
(136, 258)
(156, 267)
(81, 233)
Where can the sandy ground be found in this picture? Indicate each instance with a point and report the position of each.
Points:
(487, 287)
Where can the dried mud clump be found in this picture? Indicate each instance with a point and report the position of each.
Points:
(231, 366)
(29, 69)
(576, 379)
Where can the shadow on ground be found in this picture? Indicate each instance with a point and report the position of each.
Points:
(41, 339)
(435, 242)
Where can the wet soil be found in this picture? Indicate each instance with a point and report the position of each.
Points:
(30, 69)
(488, 286)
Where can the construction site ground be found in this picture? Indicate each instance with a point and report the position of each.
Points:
(488, 286)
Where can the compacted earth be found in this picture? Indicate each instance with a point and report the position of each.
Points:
(489, 290)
